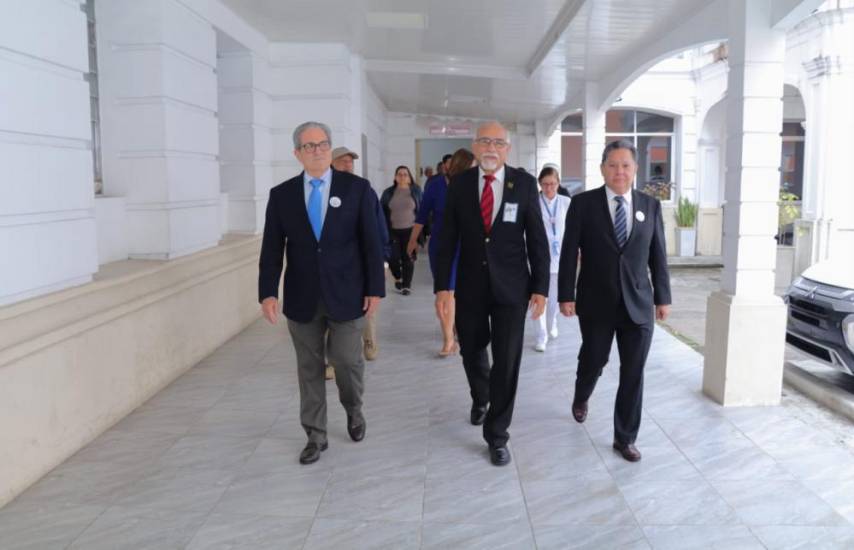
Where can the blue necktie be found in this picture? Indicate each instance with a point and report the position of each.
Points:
(315, 204)
(620, 222)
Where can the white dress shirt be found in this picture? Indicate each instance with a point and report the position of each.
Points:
(612, 208)
(497, 189)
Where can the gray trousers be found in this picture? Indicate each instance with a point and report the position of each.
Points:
(344, 349)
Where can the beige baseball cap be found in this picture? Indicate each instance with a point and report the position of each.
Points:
(341, 151)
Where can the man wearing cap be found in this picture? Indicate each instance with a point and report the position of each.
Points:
(342, 160)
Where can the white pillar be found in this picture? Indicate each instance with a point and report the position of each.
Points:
(159, 111)
(745, 323)
(828, 228)
(245, 139)
(594, 136)
(47, 223)
(313, 82)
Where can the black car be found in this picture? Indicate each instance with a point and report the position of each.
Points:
(821, 313)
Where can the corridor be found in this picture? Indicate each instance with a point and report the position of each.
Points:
(211, 461)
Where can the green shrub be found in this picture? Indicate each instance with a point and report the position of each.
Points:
(686, 213)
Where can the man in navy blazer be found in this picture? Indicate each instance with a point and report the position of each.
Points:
(623, 286)
(323, 221)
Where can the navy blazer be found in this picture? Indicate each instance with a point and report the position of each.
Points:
(344, 267)
(511, 263)
(636, 273)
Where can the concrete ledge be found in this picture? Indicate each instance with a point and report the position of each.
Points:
(75, 362)
(826, 385)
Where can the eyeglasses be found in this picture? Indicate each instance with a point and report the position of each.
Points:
(486, 142)
(311, 147)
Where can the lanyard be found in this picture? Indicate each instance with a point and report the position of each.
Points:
(552, 215)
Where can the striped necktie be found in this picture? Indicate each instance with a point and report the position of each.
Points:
(620, 221)
(487, 202)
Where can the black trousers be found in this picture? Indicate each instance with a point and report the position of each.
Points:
(478, 325)
(633, 342)
(401, 264)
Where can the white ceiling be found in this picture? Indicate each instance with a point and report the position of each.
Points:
(476, 58)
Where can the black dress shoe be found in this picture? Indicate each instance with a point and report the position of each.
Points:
(579, 412)
(499, 456)
(311, 453)
(357, 433)
(628, 451)
(478, 415)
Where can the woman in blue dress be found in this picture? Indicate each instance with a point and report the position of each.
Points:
(433, 203)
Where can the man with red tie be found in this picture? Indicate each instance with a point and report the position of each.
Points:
(492, 211)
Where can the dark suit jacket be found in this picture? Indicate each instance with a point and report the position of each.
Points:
(344, 267)
(637, 273)
(503, 257)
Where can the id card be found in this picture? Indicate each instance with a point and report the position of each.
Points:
(510, 210)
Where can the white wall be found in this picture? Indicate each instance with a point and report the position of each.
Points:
(47, 223)
(245, 134)
(159, 124)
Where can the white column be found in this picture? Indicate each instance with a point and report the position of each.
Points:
(313, 82)
(245, 138)
(745, 324)
(829, 138)
(47, 224)
(594, 136)
(159, 113)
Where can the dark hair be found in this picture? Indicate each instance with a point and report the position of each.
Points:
(548, 171)
(446, 158)
(460, 162)
(411, 179)
(619, 144)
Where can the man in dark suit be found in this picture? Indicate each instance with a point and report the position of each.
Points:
(623, 286)
(324, 221)
(493, 212)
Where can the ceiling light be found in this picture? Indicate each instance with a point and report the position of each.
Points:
(396, 20)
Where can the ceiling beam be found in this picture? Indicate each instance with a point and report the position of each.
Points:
(564, 17)
(785, 14)
(447, 69)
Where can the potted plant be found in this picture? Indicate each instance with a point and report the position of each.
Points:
(686, 233)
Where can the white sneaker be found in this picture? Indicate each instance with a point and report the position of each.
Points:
(540, 346)
(553, 333)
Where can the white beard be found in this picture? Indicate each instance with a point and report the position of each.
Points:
(489, 163)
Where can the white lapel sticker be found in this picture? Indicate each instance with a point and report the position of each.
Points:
(334, 202)
(639, 216)
(510, 209)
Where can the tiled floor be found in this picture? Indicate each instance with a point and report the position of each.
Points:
(211, 462)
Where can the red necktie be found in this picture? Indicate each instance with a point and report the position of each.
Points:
(487, 202)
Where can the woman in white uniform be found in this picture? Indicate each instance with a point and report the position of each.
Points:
(554, 208)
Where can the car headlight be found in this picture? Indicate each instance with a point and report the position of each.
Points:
(848, 331)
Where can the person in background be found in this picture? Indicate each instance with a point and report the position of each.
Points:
(342, 160)
(554, 208)
(400, 203)
(434, 205)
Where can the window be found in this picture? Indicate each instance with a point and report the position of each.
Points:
(571, 158)
(652, 136)
(94, 106)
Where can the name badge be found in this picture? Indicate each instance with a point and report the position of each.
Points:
(510, 210)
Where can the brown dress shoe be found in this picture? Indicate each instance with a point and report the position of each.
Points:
(371, 350)
(628, 451)
(330, 373)
(579, 412)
